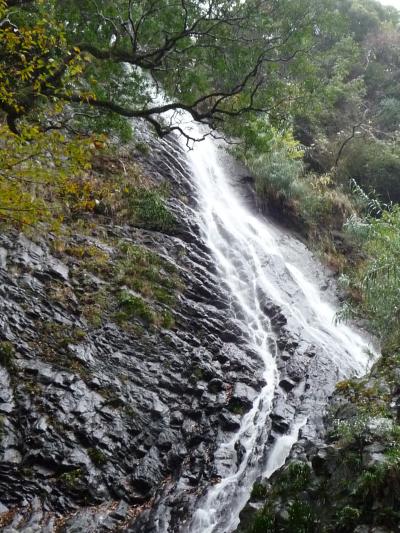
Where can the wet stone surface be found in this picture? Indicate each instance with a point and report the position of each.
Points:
(105, 427)
(95, 421)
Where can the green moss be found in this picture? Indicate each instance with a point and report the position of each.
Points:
(60, 335)
(167, 320)
(32, 387)
(94, 306)
(142, 147)
(76, 366)
(236, 407)
(72, 479)
(259, 491)
(112, 399)
(196, 375)
(53, 343)
(147, 208)
(164, 296)
(7, 355)
(131, 306)
(130, 267)
(136, 259)
(130, 411)
(97, 456)
(56, 424)
(153, 278)
(27, 471)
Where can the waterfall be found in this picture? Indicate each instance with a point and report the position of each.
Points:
(256, 259)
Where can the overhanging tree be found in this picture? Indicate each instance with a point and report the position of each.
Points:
(214, 59)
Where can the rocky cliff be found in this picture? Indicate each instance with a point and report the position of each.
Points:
(120, 362)
(124, 361)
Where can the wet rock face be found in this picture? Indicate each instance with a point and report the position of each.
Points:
(92, 414)
(109, 420)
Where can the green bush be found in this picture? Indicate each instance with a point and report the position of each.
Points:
(325, 208)
(7, 355)
(313, 201)
(277, 176)
(147, 208)
(348, 516)
(389, 114)
(264, 521)
(259, 491)
(374, 165)
(131, 306)
(378, 278)
(301, 517)
(296, 477)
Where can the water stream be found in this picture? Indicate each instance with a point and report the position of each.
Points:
(256, 260)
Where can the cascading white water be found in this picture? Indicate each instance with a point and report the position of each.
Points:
(253, 258)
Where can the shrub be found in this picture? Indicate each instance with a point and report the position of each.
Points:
(134, 307)
(276, 176)
(259, 491)
(378, 277)
(264, 521)
(313, 200)
(325, 207)
(301, 517)
(7, 355)
(389, 114)
(374, 165)
(296, 477)
(348, 516)
(147, 208)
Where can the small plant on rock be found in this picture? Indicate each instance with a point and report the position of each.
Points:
(131, 306)
(7, 355)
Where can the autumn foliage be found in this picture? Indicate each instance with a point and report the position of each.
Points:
(39, 163)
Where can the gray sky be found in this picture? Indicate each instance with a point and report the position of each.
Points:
(395, 3)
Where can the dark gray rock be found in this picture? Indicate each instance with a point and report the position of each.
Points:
(274, 313)
(287, 384)
(148, 473)
(229, 421)
(215, 385)
(243, 396)
(373, 455)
